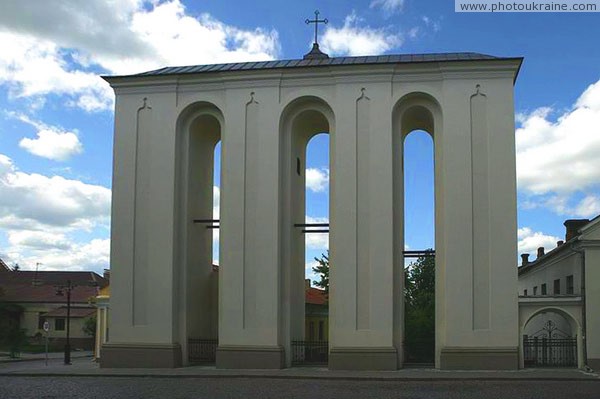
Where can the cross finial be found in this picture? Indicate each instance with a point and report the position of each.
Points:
(315, 53)
(317, 21)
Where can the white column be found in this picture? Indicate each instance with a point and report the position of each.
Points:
(476, 234)
(142, 243)
(249, 314)
(361, 241)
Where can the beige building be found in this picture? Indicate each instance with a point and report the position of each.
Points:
(559, 300)
(167, 123)
(35, 295)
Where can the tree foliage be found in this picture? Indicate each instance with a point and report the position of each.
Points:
(89, 326)
(419, 301)
(322, 269)
(419, 298)
(11, 335)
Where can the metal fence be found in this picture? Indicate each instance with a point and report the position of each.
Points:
(420, 351)
(550, 352)
(202, 350)
(310, 352)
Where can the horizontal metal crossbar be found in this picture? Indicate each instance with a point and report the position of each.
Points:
(419, 254)
(311, 225)
(214, 223)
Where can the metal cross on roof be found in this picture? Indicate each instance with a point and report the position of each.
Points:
(316, 21)
(315, 53)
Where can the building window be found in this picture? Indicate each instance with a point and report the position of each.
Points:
(41, 320)
(525, 292)
(59, 324)
(544, 291)
(557, 287)
(311, 331)
(570, 288)
(535, 290)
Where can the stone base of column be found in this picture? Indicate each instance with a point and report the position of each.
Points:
(250, 357)
(594, 364)
(140, 356)
(465, 358)
(363, 358)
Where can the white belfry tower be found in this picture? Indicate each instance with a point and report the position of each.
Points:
(167, 123)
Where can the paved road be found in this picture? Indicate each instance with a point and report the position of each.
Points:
(247, 388)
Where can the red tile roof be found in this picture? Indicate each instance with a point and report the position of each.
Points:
(315, 296)
(75, 312)
(31, 286)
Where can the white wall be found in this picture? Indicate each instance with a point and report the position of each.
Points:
(475, 204)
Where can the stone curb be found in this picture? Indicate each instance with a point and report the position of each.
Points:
(595, 379)
(28, 359)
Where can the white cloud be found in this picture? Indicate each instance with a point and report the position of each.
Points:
(34, 201)
(565, 205)
(413, 32)
(33, 66)
(390, 6)
(558, 157)
(588, 206)
(41, 57)
(317, 241)
(317, 180)
(530, 241)
(561, 155)
(93, 255)
(52, 142)
(43, 218)
(431, 23)
(216, 214)
(42, 240)
(309, 273)
(354, 40)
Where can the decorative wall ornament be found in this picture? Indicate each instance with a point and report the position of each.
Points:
(142, 212)
(363, 192)
(481, 234)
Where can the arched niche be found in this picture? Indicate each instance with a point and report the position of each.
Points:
(414, 111)
(301, 119)
(199, 130)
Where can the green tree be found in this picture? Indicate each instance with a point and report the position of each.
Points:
(12, 336)
(419, 306)
(89, 326)
(322, 269)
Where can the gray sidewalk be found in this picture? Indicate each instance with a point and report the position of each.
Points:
(86, 367)
(4, 357)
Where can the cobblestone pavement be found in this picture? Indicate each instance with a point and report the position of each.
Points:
(247, 388)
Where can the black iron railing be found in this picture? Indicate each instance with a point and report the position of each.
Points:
(310, 352)
(202, 350)
(421, 351)
(550, 352)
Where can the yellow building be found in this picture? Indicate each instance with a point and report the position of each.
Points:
(101, 319)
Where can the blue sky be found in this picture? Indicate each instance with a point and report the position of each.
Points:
(56, 118)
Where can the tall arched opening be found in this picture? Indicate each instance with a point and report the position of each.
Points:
(302, 119)
(417, 115)
(199, 129)
(419, 249)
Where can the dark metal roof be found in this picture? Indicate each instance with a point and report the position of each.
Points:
(285, 64)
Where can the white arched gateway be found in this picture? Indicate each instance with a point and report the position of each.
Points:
(167, 123)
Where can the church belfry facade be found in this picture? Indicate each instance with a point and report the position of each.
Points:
(167, 123)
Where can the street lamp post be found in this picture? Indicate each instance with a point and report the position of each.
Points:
(60, 292)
